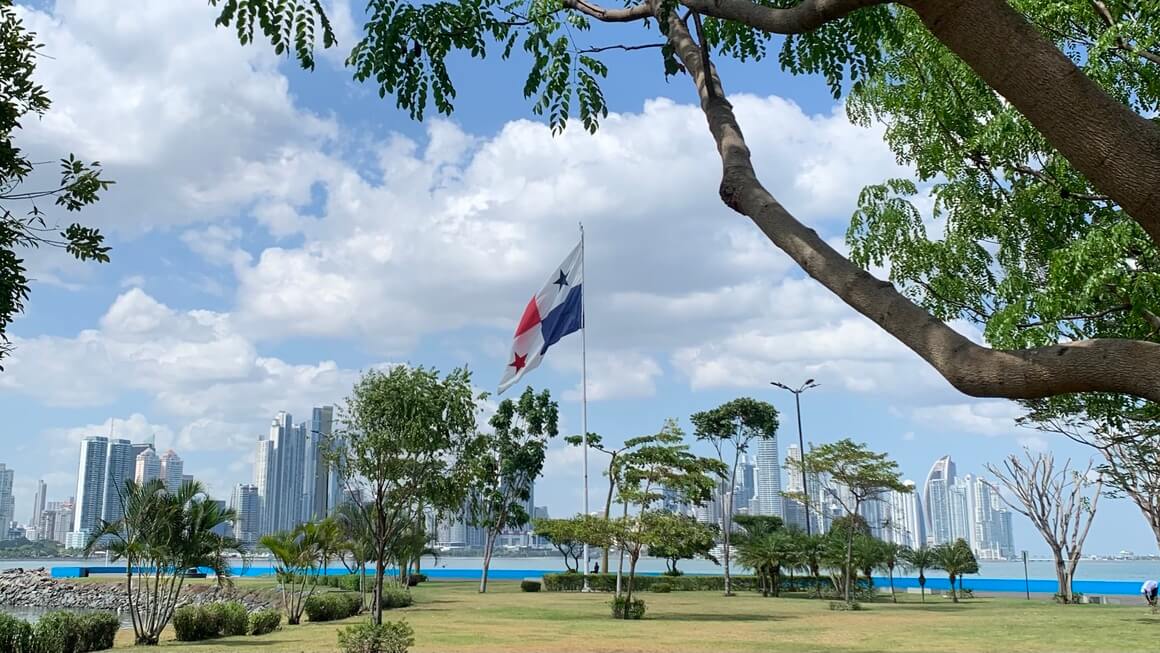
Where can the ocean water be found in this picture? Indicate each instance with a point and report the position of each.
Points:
(1123, 570)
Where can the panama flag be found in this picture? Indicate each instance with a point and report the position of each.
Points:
(555, 311)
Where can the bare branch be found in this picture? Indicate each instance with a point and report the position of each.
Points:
(627, 48)
(626, 15)
(805, 16)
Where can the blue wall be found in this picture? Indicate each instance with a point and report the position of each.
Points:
(1011, 585)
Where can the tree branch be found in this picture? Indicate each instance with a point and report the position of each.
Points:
(1113, 365)
(626, 48)
(626, 15)
(1106, 15)
(805, 16)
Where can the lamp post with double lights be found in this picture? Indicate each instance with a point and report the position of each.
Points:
(797, 397)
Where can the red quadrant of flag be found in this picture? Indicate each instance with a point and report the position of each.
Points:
(530, 319)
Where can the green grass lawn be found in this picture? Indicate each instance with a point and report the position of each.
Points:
(453, 617)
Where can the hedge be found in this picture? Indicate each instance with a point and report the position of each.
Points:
(390, 637)
(332, 606)
(59, 632)
(265, 621)
(530, 585)
(396, 597)
(620, 606)
(607, 583)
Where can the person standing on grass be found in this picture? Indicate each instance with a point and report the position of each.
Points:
(1149, 589)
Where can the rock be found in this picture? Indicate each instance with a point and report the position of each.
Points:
(36, 588)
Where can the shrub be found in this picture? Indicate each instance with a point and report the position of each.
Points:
(673, 572)
(16, 635)
(396, 597)
(391, 637)
(415, 579)
(231, 617)
(57, 631)
(332, 606)
(530, 585)
(574, 582)
(842, 606)
(265, 621)
(635, 610)
(189, 624)
(96, 631)
(662, 588)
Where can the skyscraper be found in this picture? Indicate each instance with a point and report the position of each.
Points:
(768, 477)
(7, 502)
(795, 510)
(906, 520)
(248, 506)
(38, 502)
(936, 501)
(90, 484)
(147, 467)
(279, 473)
(316, 470)
(64, 519)
(264, 484)
(118, 469)
(172, 470)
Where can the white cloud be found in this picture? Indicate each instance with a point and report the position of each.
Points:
(64, 442)
(991, 418)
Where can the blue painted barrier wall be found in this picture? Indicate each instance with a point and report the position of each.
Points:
(1006, 585)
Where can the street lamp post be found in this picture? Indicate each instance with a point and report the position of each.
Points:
(797, 398)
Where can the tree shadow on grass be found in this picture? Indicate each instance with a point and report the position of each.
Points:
(930, 607)
(238, 644)
(723, 618)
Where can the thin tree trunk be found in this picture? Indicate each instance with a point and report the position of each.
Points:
(1061, 576)
(893, 597)
(954, 597)
(631, 576)
(848, 572)
(489, 544)
(620, 564)
(380, 572)
(608, 512)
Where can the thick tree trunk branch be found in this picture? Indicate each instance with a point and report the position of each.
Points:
(1127, 366)
(1114, 147)
(625, 15)
(805, 16)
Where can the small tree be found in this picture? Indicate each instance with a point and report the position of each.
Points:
(730, 429)
(505, 463)
(297, 555)
(956, 559)
(852, 475)
(683, 538)
(356, 547)
(893, 556)
(1061, 504)
(566, 535)
(921, 559)
(400, 446)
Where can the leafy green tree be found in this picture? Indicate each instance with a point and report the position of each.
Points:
(956, 559)
(750, 543)
(730, 429)
(595, 441)
(566, 535)
(851, 474)
(683, 538)
(1026, 118)
(644, 475)
(921, 559)
(893, 556)
(767, 554)
(410, 548)
(160, 536)
(297, 556)
(23, 223)
(505, 463)
(401, 445)
(811, 550)
(867, 554)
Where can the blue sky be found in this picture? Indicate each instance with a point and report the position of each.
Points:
(276, 231)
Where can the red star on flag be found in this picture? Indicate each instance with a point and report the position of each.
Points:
(519, 362)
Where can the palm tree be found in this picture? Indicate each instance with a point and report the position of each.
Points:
(161, 535)
(409, 549)
(956, 559)
(922, 558)
(296, 558)
(811, 550)
(356, 541)
(893, 557)
(866, 555)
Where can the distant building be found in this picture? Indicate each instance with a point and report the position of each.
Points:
(147, 466)
(119, 463)
(936, 501)
(768, 478)
(7, 501)
(38, 502)
(172, 470)
(90, 484)
(248, 505)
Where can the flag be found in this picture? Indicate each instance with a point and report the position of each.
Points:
(555, 311)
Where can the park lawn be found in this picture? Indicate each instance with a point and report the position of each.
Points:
(454, 618)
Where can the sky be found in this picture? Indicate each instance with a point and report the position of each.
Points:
(276, 231)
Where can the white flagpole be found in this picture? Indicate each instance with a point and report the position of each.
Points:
(584, 387)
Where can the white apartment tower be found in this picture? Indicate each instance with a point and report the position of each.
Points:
(768, 477)
(172, 470)
(90, 484)
(147, 467)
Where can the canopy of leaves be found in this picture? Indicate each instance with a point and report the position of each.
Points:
(663, 463)
(863, 473)
(681, 537)
(22, 222)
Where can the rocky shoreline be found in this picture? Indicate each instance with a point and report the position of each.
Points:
(36, 588)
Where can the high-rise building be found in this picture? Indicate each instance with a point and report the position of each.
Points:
(46, 525)
(64, 519)
(248, 506)
(768, 477)
(316, 470)
(139, 447)
(90, 486)
(38, 502)
(795, 510)
(906, 520)
(147, 466)
(961, 505)
(746, 488)
(7, 501)
(172, 470)
(264, 481)
(119, 464)
(936, 501)
(187, 479)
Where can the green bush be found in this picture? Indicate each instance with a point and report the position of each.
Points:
(396, 597)
(58, 631)
(673, 572)
(189, 624)
(16, 635)
(607, 583)
(391, 637)
(332, 606)
(530, 585)
(231, 617)
(842, 606)
(265, 621)
(97, 630)
(635, 610)
(662, 588)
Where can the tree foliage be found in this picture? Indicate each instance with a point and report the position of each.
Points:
(402, 446)
(683, 538)
(23, 223)
(503, 465)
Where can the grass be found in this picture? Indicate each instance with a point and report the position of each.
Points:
(454, 618)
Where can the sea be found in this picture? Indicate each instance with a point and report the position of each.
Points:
(1122, 570)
